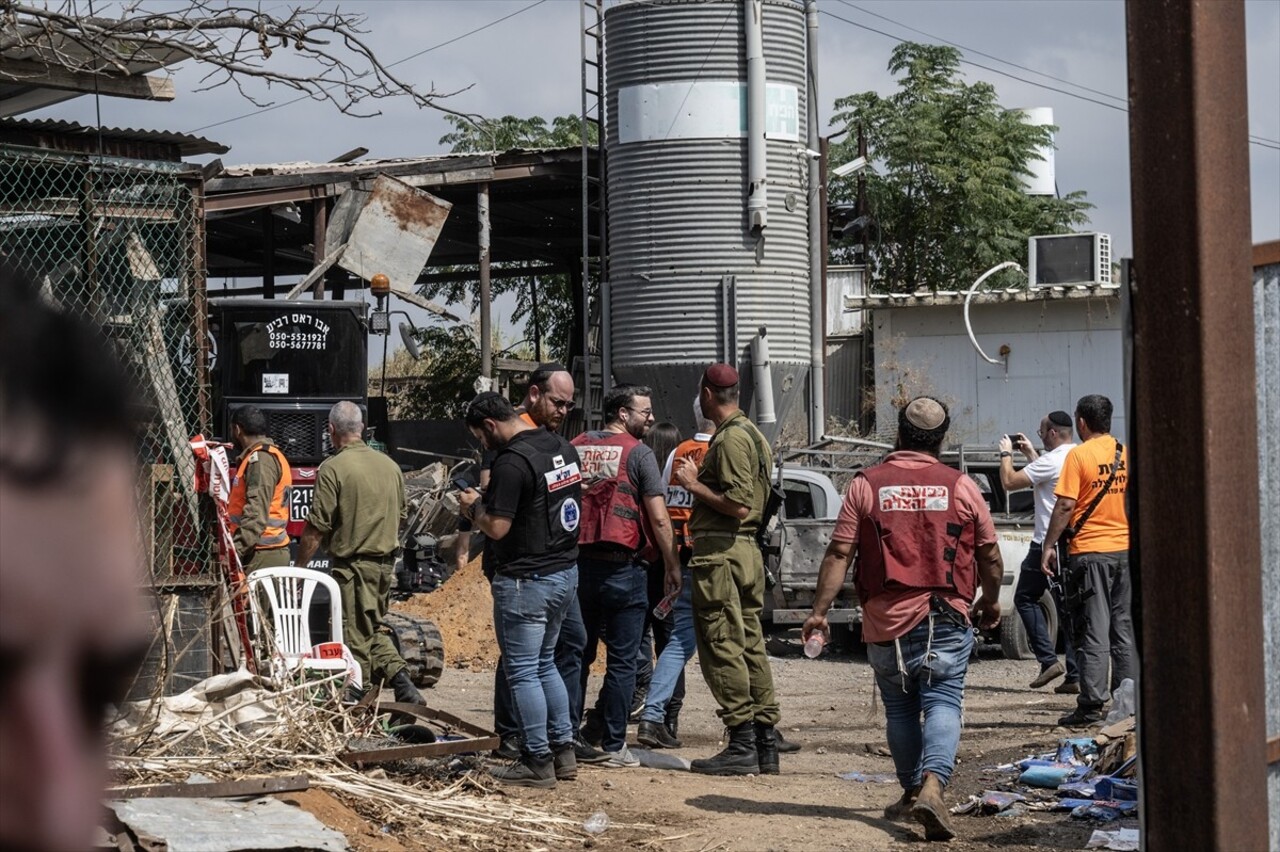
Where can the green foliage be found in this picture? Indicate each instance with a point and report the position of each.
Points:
(449, 366)
(947, 188)
(508, 132)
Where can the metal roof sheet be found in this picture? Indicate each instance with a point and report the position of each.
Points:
(187, 144)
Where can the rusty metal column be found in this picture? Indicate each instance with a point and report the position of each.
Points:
(486, 306)
(1202, 705)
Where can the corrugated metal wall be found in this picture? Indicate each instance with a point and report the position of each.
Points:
(1266, 312)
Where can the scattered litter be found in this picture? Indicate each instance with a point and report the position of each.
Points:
(822, 749)
(597, 823)
(1121, 789)
(660, 760)
(1077, 789)
(1121, 839)
(1107, 811)
(1122, 703)
(1015, 810)
(219, 825)
(1046, 775)
(869, 778)
(991, 802)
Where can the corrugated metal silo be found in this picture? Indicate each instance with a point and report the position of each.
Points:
(676, 74)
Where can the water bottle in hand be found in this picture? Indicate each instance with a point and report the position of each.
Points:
(813, 645)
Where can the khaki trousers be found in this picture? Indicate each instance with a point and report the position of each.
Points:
(365, 583)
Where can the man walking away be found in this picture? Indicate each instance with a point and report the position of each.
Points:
(1090, 513)
(356, 512)
(729, 494)
(924, 540)
(260, 490)
(530, 513)
(1041, 475)
(622, 489)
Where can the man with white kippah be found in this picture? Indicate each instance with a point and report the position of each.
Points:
(924, 540)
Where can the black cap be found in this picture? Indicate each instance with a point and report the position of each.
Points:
(1060, 418)
(489, 405)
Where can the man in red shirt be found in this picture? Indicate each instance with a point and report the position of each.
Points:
(924, 540)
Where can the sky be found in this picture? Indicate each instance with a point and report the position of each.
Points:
(528, 64)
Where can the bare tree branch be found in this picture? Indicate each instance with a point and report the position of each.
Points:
(234, 42)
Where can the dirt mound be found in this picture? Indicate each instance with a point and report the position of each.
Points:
(463, 610)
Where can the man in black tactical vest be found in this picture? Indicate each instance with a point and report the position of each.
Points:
(530, 512)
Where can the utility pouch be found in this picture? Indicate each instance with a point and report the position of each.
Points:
(942, 610)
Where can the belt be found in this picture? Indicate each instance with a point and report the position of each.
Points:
(721, 535)
(618, 556)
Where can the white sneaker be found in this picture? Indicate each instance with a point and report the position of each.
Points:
(622, 759)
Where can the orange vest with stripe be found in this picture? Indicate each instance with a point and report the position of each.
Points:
(274, 535)
(679, 500)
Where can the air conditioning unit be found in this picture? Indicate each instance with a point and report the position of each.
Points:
(1069, 259)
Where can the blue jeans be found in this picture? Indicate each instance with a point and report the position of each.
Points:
(1032, 584)
(674, 656)
(527, 614)
(614, 598)
(573, 639)
(927, 680)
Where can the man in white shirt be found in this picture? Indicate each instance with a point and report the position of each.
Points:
(1041, 475)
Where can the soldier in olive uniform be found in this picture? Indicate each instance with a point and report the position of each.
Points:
(729, 493)
(356, 512)
(259, 499)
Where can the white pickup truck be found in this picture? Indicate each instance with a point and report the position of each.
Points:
(800, 536)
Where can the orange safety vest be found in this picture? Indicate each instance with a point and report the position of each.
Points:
(679, 500)
(274, 536)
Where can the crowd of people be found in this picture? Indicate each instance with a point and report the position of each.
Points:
(630, 536)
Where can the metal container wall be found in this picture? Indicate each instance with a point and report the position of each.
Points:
(677, 208)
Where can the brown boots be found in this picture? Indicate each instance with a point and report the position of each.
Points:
(930, 811)
(901, 809)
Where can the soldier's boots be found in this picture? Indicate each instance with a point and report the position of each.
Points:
(767, 748)
(901, 809)
(738, 758)
(405, 691)
(931, 812)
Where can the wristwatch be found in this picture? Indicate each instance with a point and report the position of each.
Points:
(1005, 454)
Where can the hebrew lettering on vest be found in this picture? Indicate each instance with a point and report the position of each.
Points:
(599, 462)
(915, 498)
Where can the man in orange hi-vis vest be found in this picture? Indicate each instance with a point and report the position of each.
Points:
(259, 503)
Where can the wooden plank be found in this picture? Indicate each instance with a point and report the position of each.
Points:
(1273, 751)
(260, 786)
(140, 86)
(314, 275)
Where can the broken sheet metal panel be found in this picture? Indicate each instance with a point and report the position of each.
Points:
(1266, 316)
(217, 825)
(394, 233)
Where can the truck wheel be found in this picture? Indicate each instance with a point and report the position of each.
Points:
(419, 641)
(1013, 635)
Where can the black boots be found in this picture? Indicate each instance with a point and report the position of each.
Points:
(766, 748)
(529, 771)
(738, 758)
(406, 692)
(656, 735)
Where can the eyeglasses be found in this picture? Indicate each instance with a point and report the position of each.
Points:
(648, 412)
(561, 404)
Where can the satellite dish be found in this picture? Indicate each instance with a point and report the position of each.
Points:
(410, 344)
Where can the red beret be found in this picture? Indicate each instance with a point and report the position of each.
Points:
(721, 376)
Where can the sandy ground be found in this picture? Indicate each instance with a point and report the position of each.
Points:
(828, 706)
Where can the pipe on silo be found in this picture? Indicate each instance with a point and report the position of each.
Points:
(762, 377)
(757, 150)
(817, 281)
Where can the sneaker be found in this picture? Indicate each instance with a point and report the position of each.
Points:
(1068, 687)
(1049, 674)
(528, 771)
(1082, 718)
(509, 749)
(584, 753)
(621, 759)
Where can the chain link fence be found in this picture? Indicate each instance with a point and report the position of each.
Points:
(120, 242)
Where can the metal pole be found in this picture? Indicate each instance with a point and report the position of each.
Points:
(268, 255)
(486, 304)
(757, 147)
(817, 280)
(319, 225)
(586, 214)
(1202, 705)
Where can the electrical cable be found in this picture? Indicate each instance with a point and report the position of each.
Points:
(969, 326)
(1260, 141)
(457, 38)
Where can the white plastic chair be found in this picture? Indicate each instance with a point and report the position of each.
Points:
(288, 591)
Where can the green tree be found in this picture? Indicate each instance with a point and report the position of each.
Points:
(509, 131)
(946, 188)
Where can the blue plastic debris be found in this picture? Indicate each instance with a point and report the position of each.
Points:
(869, 778)
(1120, 789)
(1077, 789)
(1104, 811)
(995, 801)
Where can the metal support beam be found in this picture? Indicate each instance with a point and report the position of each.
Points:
(1197, 548)
(319, 225)
(817, 245)
(268, 254)
(486, 305)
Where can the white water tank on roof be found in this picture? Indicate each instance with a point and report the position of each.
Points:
(1042, 180)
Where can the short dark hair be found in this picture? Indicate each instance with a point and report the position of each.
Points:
(541, 375)
(912, 437)
(722, 396)
(60, 374)
(621, 396)
(251, 419)
(1095, 410)
(489, 406)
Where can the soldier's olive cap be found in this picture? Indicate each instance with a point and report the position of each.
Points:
(721, 376)
(925, 413)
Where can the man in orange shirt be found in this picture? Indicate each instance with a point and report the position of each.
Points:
(1096, 584)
